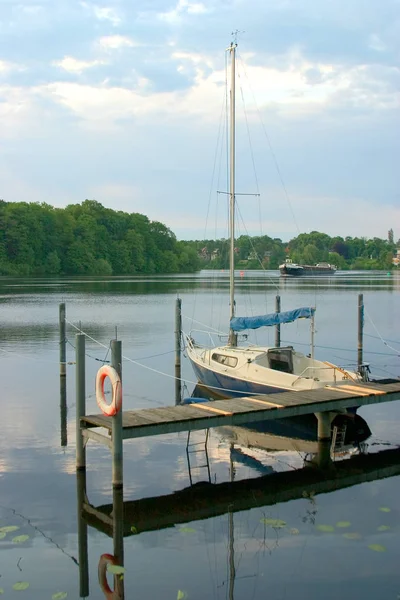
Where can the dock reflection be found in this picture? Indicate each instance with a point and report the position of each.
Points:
(207, 500)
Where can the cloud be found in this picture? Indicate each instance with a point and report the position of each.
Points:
(135, 93)
(74, 65)
(104, 13)
(115, 42)
(182, 8)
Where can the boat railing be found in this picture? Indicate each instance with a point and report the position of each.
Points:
(190, 338)
(327, 367)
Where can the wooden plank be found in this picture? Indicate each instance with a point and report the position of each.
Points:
(265, 403)
(363, 389)
(241, 406)
(97, 421)
(209, 408)
(351, 392)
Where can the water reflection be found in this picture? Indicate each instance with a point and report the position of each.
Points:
(208, 500)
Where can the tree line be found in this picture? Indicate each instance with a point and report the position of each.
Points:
(307, 248)
(89, 239)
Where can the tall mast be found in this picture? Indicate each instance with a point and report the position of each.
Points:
(232, 334)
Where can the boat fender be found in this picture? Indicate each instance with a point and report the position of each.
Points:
(105, 560)
(112, 409)
(194, 400)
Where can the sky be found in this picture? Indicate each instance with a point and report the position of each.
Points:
(124, 102)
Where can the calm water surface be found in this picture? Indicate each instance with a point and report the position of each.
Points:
(339, 544)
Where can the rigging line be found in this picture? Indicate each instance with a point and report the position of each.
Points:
(375, 337)
(271, 150)
(340, 349)
(256, 253)
(204, 325)
(251, 153)
(380, 337)
(219, 141)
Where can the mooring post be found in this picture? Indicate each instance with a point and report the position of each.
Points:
(63, 411)
(312, 326)
(118, 539)
(324, 425)
(80, 399)
(360, 332)
(82, 535)
(117, 441)
(323, 456)
(277, 327)
(178, 338)
(63, 340)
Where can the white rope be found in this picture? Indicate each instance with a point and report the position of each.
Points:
(204, 325)
(87, 335)
(396, 350)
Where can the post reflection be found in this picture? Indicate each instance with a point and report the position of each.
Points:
(210, 500)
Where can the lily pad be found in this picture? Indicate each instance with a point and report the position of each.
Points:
(277, 523)
(383, 528)
(20, 586)
(20, 538)
(1, 591)
(2, 535)
(343, 524)
(384, 509)
(326, 528)
(181, 595)
(294, 531)
(59, 596)
(9, 528)
(377, 548)
(115, 569)
(352, 535)
(187, 530)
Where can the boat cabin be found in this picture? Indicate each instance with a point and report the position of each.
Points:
(279, 359)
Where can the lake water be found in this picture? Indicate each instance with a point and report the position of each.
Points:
(342, 544)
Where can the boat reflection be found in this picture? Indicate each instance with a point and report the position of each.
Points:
(348, 431)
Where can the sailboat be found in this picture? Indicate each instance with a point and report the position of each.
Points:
(253, 369)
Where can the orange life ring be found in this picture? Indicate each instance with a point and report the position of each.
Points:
(116, 403)
(105, 560)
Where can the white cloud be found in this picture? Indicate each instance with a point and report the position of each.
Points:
(6, 67)
(376, 43)
(114, 42)
(288, 90)
(104, 13)
(74, 65)
(183, 7)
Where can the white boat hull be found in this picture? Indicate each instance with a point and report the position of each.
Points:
(247, 371)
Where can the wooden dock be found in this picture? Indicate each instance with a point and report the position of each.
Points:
(210, 500)
(238, 411)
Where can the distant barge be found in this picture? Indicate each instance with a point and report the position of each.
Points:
(293, 269)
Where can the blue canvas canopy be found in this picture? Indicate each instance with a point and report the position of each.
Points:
(241, 323)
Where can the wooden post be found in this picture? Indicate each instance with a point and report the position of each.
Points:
(80, 399)
(324, 425)
(117, 440)
(178, 337)
(82, 535)
(63, 411)
(312, 335)
(360, 332)
(278, 327)
(63, 340)
(118, 539)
